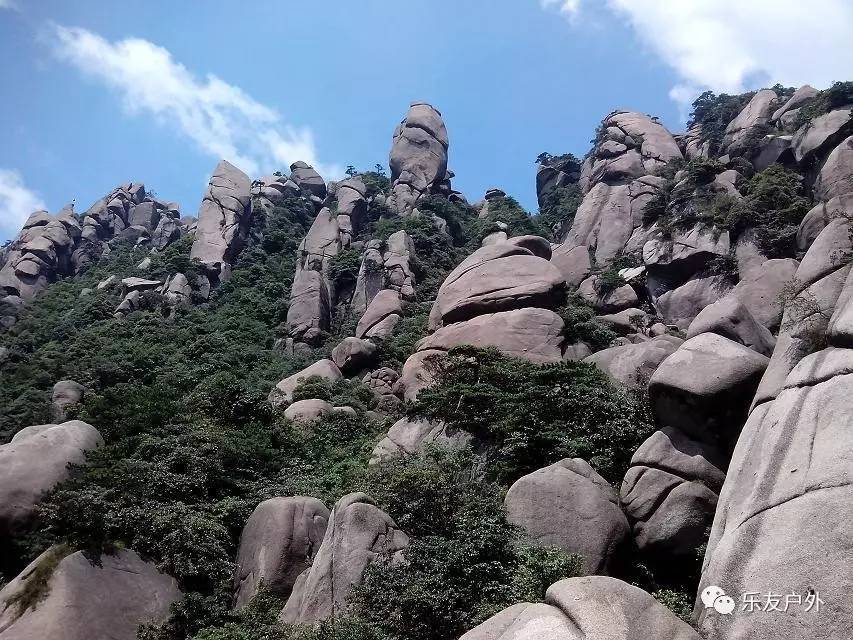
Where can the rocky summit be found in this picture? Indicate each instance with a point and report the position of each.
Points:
(373, 408)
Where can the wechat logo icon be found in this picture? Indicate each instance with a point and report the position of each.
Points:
(714, 597)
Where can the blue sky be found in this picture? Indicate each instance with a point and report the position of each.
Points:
(100, 93)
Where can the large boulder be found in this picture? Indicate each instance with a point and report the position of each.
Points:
(588, 608)
(817, 137)
(568, 505)
(223, 220)
(761, 290)
(86, 599)
(309, 410)
(757, 112)
(682, 304)
(309, 312)
(705, 387)
(731, 319)
(632, 365)
(669, 495)
(353, 354)
(381, 316)
(34, 462)
(358, 534)
(418, 159)
(283, 391)
(836, 174)
(66, 394)
(307, 179)
(685, 252)
(416, 373)
(790, 479)
(531, 333)
(278, 543)
(798, 99)
(497, 278)
(573, 262)
(606, 300)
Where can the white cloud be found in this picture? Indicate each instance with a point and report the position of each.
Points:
(570, 8)
(736, 45)
(8, 4)
(222, 119)
(16, 203)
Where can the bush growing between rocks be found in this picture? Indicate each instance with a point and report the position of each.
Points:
(582, 326)
(344, 266)
(558, 210)
(529, 415)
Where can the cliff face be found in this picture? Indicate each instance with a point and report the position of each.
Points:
(651, 370)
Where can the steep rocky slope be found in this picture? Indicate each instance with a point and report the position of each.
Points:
(372, 409)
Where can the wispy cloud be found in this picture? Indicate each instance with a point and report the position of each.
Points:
(735, 45)
(17, 202)
(222, 119)
(8, 4)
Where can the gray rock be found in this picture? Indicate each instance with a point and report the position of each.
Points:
(632, 365)
(283, 391)
(685, 252)
(307, 179)
(144, 215)
(731, 319)
(496, 278)
(537, 245)
(418, 158)
(416, 374)
(309, 312)
(669, 495)
(358, 534)
(307, 411)
(589, 608)
(385, 304)
(620, 298)
(836, 174)
(86, 600)
(278, 543)
(816, 138)
(573, 262)
(167, 231)
(531, 333)
(353, 354)
(681, 305)
(177, 290)
(34, 462)
(65, 394)
(410, 437)
(757, 112)
(626, 321)
(761, 290)
(798, 99)
(710, 404)
(569, 505)
(223, 220)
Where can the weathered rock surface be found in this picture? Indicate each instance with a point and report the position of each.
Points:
(382, 314)
(87, 600)
(800, 97)
(681, 305)
(223, 220)
(66, 393)
(353, 354)
(632, 365)
(418, 156)
(790, 479)
(569, 505)
(573, 263)
(409, 437)
(761, 290)
(669, 495)
(818, 137)
(757, 112)
(416, 374)
(278, 543)
(589, 608)
(731, 319)
(607, 301)
(496, 278)
(710, 404)
(34, 462)
(836, 174)
(358, 534)
(307, 411)
(307, 179)
(531, 333)
(310, 308)
(283, 391)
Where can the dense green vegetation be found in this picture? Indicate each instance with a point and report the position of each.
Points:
(532, 415)
(839, 94)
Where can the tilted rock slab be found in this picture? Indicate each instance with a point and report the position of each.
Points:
(410, 437)
(283, 392)
(632, 365)
(279, 541)
(87, 600)
(34, 462)
(358, 534)
(223, 220)
(590, 608)
(568, 505)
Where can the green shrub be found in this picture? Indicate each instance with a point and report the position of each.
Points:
(530, 415)
(714, 113)
(558, 210)
(343, 268)
(581, 325)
